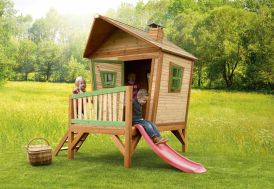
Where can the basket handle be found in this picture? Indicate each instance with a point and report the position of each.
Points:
(38, 139)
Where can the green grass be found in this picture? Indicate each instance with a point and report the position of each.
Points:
(230, 133)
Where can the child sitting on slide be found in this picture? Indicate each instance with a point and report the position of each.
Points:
(137, 118)
(80, 84)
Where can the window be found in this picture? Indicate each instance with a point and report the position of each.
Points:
(175, 78)
(108, 79)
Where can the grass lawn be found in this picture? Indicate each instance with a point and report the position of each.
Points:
(230, 133)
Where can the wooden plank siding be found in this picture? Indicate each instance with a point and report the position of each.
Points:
(107, 67)
(168, 102)
(121, 41)
(152, 90)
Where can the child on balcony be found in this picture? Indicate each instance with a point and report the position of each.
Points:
(80, 84)
(132, 82)
(137, 118)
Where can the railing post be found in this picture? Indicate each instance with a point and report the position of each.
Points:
(128, 128)
(70, 133)
(70, 111)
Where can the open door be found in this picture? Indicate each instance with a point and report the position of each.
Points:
(107, 73)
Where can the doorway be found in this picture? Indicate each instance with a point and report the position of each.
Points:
(142, 69)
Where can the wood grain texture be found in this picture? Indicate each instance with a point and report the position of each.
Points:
(128, 128)
(121, 106)
(168, 102)
(105, 107)
(121, 40)
(107, 67)
(114, 116)
(95, 108)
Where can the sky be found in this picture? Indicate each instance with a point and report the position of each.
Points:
(39, 8)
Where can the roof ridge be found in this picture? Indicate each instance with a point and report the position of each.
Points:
(123, 23)
(164, 45)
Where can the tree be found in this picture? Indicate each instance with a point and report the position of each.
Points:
(180, 30)
(23, 24)
(220, 36)
(50, 28)
(259, 41)
(26, 57)
(47, 60)
(7, 25)
(75, 69)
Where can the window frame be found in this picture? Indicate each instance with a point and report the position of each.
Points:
(171, 88)
(107, 85)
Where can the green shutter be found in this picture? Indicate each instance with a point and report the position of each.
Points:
(108, 79)
(175, 78)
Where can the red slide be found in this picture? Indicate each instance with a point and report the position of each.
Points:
(172, 157)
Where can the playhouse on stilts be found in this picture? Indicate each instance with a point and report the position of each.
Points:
(164, 69)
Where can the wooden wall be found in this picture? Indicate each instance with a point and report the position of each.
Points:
(121, 43)
(153, 76)
(172, 106)
(107, 67)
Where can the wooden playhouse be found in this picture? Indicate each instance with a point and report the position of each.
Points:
(164, 69)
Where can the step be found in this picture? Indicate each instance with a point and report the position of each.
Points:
(64, 148)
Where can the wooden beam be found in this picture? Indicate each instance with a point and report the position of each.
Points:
(119, 144)
(95, 107)
(99, 92)
(80, 143)
(91, 76)
(171, 123)
(121, 106)
(94, 84)
(115, 112)
(184, 132)
(105, 102)
(157, 86)
(70, 140)
(99, 123)
(61, 143)
(107, 61)
(139, 57)
(125, 52)
(179, 136)
(128, 128)
(149, 89)
(169, 127)
(70, 134)
(185, 146)
(98, 130)
(76, 140)
(135, 141)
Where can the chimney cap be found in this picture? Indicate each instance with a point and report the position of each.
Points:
(154, 25)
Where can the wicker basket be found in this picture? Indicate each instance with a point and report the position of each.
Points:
(39, 154)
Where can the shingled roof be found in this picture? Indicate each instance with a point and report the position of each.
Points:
(109, 25)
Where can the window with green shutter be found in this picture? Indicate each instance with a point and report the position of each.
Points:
(108, 79)
(175, 78)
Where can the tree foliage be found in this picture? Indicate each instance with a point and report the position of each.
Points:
(41, 49)
(232, 39)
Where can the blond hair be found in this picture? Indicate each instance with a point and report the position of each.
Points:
(141, 93)
(78, 79)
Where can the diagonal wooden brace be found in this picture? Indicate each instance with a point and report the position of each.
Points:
(135, 141)
(76, 140)
(118, 142)
(180, 136)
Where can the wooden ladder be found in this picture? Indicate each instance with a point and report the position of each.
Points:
(64, 141)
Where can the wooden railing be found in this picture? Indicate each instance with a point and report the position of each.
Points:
(105, 107)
